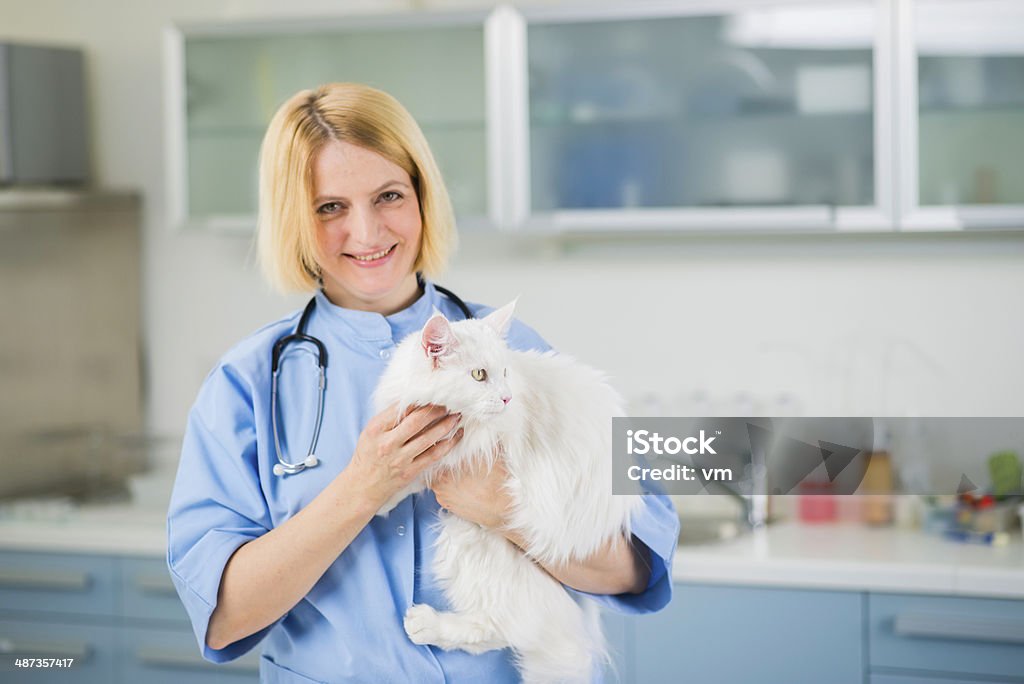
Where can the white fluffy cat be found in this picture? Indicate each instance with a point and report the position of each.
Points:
(549, 418)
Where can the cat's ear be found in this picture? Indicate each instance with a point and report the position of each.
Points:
(501, 319)
(437, 338)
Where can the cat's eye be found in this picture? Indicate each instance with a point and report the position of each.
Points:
(506, 372)
(479, 374)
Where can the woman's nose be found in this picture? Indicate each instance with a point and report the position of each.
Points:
(364, 227)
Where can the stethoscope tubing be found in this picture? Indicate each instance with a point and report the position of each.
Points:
(283, 467)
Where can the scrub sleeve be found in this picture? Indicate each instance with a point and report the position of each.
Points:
(219, 506)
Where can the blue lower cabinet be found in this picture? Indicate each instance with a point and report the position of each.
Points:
(148, 593)
(58, 583)
(41, 652)
(618, 635)
(727, 634)
(922, 679)
(947, 635)
(171, 656)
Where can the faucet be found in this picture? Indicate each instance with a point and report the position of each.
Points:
(754, 503)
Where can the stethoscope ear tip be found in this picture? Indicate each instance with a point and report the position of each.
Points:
(278, 469)
(311, 461)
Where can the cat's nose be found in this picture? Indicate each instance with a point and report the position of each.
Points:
(506, 400)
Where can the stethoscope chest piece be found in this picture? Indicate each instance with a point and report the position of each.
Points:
(283, 467)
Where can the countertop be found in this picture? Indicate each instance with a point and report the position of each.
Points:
(121, 529)
(834, 556)
(851, 557)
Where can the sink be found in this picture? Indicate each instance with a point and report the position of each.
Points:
(697, 531)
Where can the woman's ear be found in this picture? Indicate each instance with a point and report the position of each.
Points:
(437, 338)
(501, 319)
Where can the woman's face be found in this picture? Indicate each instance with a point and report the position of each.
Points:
(369, 228)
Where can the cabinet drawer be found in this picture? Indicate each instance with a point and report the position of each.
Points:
(147, 591)
(56, 583)
(946, 634)
(744, 634)
(91, 646)
(171, 656)
(922, 679)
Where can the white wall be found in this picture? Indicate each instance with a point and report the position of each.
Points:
(927, 325)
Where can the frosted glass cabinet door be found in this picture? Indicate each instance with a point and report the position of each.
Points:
(970, 81)
(234, 83)
(769, 106)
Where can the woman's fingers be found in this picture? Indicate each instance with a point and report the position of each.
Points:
(385, 420)
(439, 450)
(414, 420)
(432, 435)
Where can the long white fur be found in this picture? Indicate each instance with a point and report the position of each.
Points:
(554, 437)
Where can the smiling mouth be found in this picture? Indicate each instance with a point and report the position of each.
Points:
(376, 256)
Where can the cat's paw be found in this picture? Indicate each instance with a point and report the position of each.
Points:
(421, 624)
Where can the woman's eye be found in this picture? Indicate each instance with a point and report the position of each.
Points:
(390, 196)
(479, 374)
(329, 208)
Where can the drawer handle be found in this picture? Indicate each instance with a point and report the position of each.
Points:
(44, 580)
(10, 646)
(938, 626)
(162, 657)
(155, 584)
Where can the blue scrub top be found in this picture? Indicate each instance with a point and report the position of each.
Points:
(349, 626)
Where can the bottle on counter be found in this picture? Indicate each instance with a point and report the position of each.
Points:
(877, 485)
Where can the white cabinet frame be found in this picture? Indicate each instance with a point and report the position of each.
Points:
(912, 217)
(896, 190)
(176, 124)
(806, 218)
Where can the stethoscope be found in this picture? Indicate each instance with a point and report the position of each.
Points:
(283, 467)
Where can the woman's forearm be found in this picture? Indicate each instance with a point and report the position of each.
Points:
(617, 568)
(268, 576)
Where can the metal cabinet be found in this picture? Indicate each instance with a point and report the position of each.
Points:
(119, 618)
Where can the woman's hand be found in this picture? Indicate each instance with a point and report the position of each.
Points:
(479, 495)
(389, 456)
(475, 494)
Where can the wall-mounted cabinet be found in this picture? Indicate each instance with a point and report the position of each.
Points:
(228, 82)
(845, 115)
(962, 70)
(747, 116)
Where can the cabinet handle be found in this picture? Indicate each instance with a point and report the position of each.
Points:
(154, 656)
(44, 580)
(155, 584)
(938, 626)
(10, 646)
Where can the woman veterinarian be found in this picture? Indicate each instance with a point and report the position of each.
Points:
(267, 545)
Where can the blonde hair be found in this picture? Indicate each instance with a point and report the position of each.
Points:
(357, 114)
